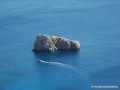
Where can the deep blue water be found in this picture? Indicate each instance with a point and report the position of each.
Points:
(95, 23)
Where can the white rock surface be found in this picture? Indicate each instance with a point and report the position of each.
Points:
(51, 43)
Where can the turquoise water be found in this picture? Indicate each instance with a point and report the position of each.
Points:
(95, 23)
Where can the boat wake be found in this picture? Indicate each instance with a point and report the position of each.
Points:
(66, 66)
(57, 64)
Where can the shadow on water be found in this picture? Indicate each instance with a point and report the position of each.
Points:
(57, 58)
(56, 55)
(63, 59)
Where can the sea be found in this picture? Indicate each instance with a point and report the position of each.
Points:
(94, 23)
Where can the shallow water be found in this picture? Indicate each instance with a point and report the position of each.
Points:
(95, 23)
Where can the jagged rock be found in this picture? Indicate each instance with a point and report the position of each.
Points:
(51, 43)
(63, 43)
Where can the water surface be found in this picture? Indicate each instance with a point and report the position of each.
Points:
(95, 23)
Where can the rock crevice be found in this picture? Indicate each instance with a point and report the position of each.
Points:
(51, 43)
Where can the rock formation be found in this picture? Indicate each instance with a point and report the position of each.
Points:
(51, 43)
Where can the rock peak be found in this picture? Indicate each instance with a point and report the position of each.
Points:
(51, 43)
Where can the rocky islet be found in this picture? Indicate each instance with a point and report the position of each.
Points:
(51, 43)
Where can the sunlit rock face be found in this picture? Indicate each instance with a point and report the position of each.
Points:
(51, 43)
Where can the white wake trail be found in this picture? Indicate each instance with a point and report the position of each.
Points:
(57, 64)
(66, 66)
